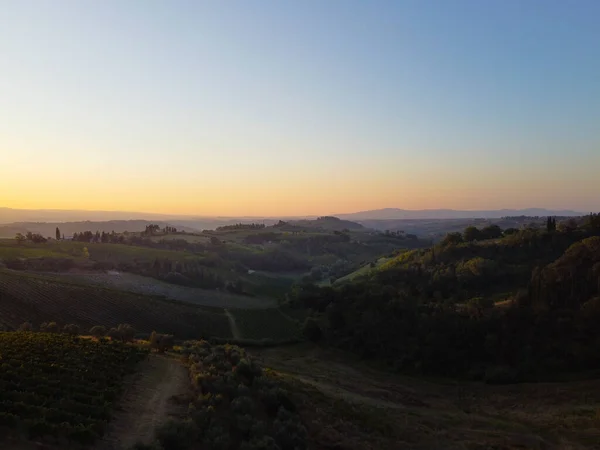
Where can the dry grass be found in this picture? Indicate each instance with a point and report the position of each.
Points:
(347, 405)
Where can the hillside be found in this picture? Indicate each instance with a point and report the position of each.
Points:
(37, 299)
(477, 309)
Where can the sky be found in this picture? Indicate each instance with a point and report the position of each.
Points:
(292, 108)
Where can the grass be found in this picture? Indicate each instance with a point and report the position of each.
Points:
(364, 270)
(266, 324)
(347, 404)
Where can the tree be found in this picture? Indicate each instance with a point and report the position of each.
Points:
(51, 327)
(114, 334)
(71, 329)
(311, 330)
(471, 234)
(161, 342)
(57, 234)
(127, 332)
(452, 239)
(20, 238)
(550, 224)
(26, 327)
(491, 232)
(98, 331)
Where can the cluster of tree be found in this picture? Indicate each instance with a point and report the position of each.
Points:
(242, 226)
(32, 237)
(152, 229)
(234, 406)
(123, 332)
(399, 234)
(433, 311)
(97, 237)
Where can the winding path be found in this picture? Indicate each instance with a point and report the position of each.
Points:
(235, 331)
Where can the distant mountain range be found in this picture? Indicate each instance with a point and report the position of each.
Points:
(405, 214)
(9, 215)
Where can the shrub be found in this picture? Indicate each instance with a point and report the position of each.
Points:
(174, 435)
(98, 331)
(71, 329)
(51, 327)
(161, 342)
(26, 327)
(114, 333)
(311, 330)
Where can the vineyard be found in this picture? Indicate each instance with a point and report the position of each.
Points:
(37, 299)
(60, 388)
(266, 324)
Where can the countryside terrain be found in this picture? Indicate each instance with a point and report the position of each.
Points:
(318, 334)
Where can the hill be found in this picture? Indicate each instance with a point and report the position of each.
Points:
(329, 223)
(404, 214)
(518, 306)
(69, 228)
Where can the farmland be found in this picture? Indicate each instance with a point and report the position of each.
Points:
(122, 253)
(61, 388)
(37, 299)
(150, 286)
(266, 324)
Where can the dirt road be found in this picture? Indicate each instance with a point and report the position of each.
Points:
(147, 403)
(235, 331)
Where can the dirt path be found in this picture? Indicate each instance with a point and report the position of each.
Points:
(147, 403)
(235, 331)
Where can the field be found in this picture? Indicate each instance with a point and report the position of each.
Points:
(25, 297)
(150, 286)
(347, 404)
(60, 388)
(364, 270)
(266, 324)
(10, 249)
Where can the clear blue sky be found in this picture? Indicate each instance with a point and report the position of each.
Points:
(311, 107)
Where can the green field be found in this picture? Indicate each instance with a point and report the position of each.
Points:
(266, 324)
(25, 297)
(10, 249)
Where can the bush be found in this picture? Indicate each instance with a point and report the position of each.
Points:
(98, 331)
(161, 342)
(174, 435)
(26, 327)
(71, 329)
(311, 330)
(51, 327)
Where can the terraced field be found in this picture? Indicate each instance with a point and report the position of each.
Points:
(37, 299)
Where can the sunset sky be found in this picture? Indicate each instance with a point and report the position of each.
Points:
(291, 108)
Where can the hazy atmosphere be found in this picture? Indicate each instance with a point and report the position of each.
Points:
(279, 108)
(299, 225)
